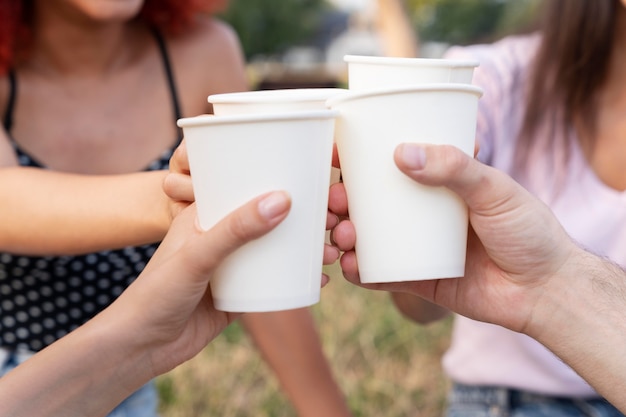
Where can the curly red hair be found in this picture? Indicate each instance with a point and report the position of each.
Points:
(170, 16)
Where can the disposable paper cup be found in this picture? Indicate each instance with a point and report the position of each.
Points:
(236, 158)
(405, 231)
(367, 72)
(280, 100)
(271, 101)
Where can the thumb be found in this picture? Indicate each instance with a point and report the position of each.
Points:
(254, 219)
(482, 187)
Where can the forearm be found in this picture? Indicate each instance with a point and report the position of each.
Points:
(86, 373)
(48, 212)
(417, 309)
(289, 342)
(583, 321)
(399, 38)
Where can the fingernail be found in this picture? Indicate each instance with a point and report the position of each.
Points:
(413, 156)
(274, 204)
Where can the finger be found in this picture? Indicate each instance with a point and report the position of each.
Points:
(331, 220)
(343, 236)
(349, 267)
(482, 187)
(331, 254)
(256, 218)
(338, 199)
(178, 187)
(179, 162)
(325, 280)
(335, 160)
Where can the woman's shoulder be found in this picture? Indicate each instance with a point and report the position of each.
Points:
(504, 61)
(207, 35)
(207, 59)
(516, 50)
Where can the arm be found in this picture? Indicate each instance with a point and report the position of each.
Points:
(59, 213)
(290, 344)
(523, 271)
(417, 309)
(287, 340)
(156, 324)
(398, 36)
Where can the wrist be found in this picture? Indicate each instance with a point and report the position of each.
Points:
(581, 314)
(558, 298)
(91, 363)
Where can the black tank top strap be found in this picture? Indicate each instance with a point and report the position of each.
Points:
(8, 114)
(170, 75)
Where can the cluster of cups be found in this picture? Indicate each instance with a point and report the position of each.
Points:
(261, 141)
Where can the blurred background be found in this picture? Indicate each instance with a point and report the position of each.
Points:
(385, 365)
(303, 42)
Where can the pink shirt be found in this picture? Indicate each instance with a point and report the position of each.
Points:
(592, 213)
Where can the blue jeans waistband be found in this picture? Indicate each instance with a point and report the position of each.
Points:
(502, 401)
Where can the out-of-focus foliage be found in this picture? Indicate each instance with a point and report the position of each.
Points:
(270, 27)
(469, 21)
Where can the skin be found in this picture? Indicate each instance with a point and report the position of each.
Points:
(156, 324)
(523, 271)
(111, 81)
(96, 141)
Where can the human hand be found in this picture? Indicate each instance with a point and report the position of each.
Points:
(168, 311)
(515, 246)
(177, 184)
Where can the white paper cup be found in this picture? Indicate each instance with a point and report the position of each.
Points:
(236, 158)
(405, 231)
(280, 100)
(367, 72)
(271, 101)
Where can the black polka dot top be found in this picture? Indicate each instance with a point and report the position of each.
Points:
(42, 298)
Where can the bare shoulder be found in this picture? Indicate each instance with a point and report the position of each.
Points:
(208, 35)
(208, 58)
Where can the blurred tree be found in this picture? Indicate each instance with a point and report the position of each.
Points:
(469, 21)
(269, 28)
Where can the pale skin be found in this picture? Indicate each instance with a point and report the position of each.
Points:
(111, 116)
(608, 157)
(523, 271)
(163, 319)
(95, 139)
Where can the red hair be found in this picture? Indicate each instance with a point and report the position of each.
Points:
(170, 16)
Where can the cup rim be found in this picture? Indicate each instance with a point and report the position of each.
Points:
(212, 119)
(405, 61)
(292, 95)
(358, 94)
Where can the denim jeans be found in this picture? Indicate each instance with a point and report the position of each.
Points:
(475, 401)
(142, 403)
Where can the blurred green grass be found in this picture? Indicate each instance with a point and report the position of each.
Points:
(385, 365)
